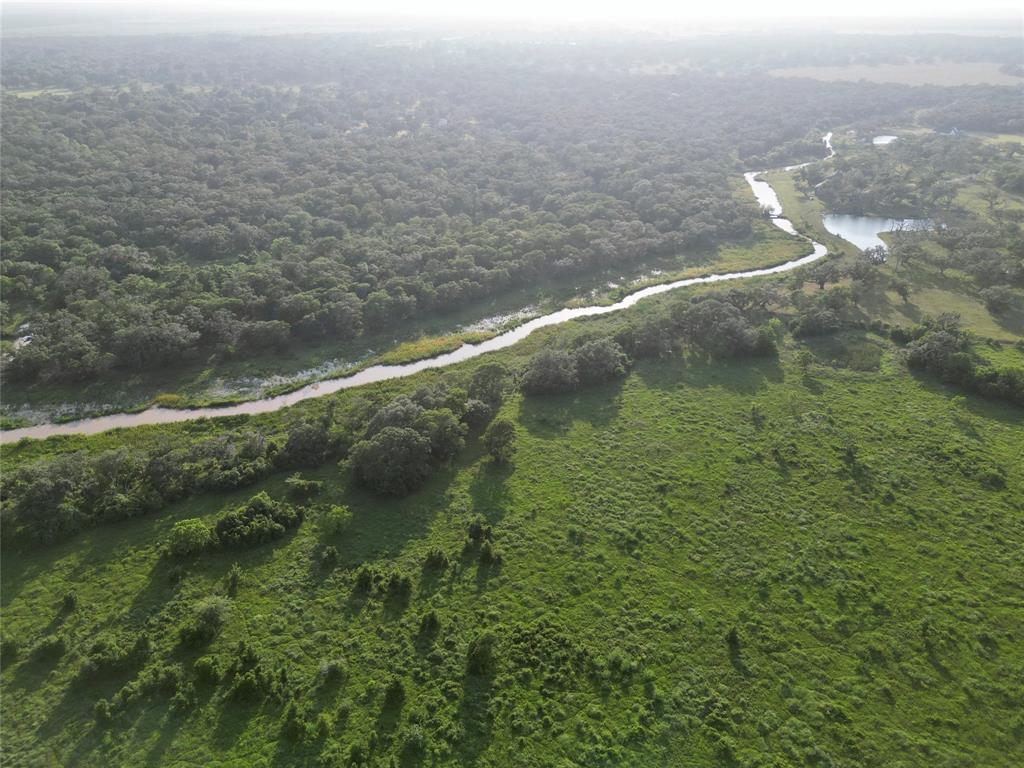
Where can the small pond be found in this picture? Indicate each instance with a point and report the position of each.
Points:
(863, 231)
(880, 140)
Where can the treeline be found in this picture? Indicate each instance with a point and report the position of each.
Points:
(78, 62)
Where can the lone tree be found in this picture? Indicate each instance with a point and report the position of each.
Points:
(500, 440)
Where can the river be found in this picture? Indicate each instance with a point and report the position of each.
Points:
(763, 192)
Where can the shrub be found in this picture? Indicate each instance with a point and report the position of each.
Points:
(430, 623)
(500, 440)
(364, 578)
(395, 461)
(401, 412)
(445, 433)
(251, 685)
(189, 537)
(331, 671)
(488, 384)
(477, 414)
(398, 584)
(108, 653)
(69, 602)
(488, 555)
(208, 617)
(335, 519)
(299, 489)
(436, 558)
(329, 557)
(600, 360)
(207, 670)
(101, 712)
(308, 445)
(231, 579)
(261, 519)
(549, 372)
(998, 299)
(717, 328)
(412, 742)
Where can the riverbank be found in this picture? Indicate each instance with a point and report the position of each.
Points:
(229, 382)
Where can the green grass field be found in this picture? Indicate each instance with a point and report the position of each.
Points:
(706, 564)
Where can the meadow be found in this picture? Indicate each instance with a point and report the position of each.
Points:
(748, 563)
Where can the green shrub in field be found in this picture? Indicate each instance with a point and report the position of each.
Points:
(600, 360)
(208, 616)
(334, 519)
(299, 489)
(550, 372)
(259, 520)
(395, 461)
(189, 537)
(500, 440)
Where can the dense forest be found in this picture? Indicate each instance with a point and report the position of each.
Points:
(181, 212)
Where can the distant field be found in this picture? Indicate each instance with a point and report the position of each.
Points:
(944, 73)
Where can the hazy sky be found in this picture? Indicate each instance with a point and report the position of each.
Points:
(580, 10)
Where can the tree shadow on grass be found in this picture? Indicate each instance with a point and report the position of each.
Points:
(489, 490)
(78, 700)
(549, 416)
(485, 571)
(474, 715)
(988, 408)
(382, 526)
(233, 720)
(166, 723)
(743, 375)
(431, 577)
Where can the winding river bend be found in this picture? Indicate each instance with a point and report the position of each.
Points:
(156, 415)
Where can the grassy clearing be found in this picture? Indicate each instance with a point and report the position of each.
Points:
(36, 92)
(834, 519)
(941, 73)
(432, 346)
(999, 138)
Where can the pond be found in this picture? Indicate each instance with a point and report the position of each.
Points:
(880, 140)
(863, 231)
